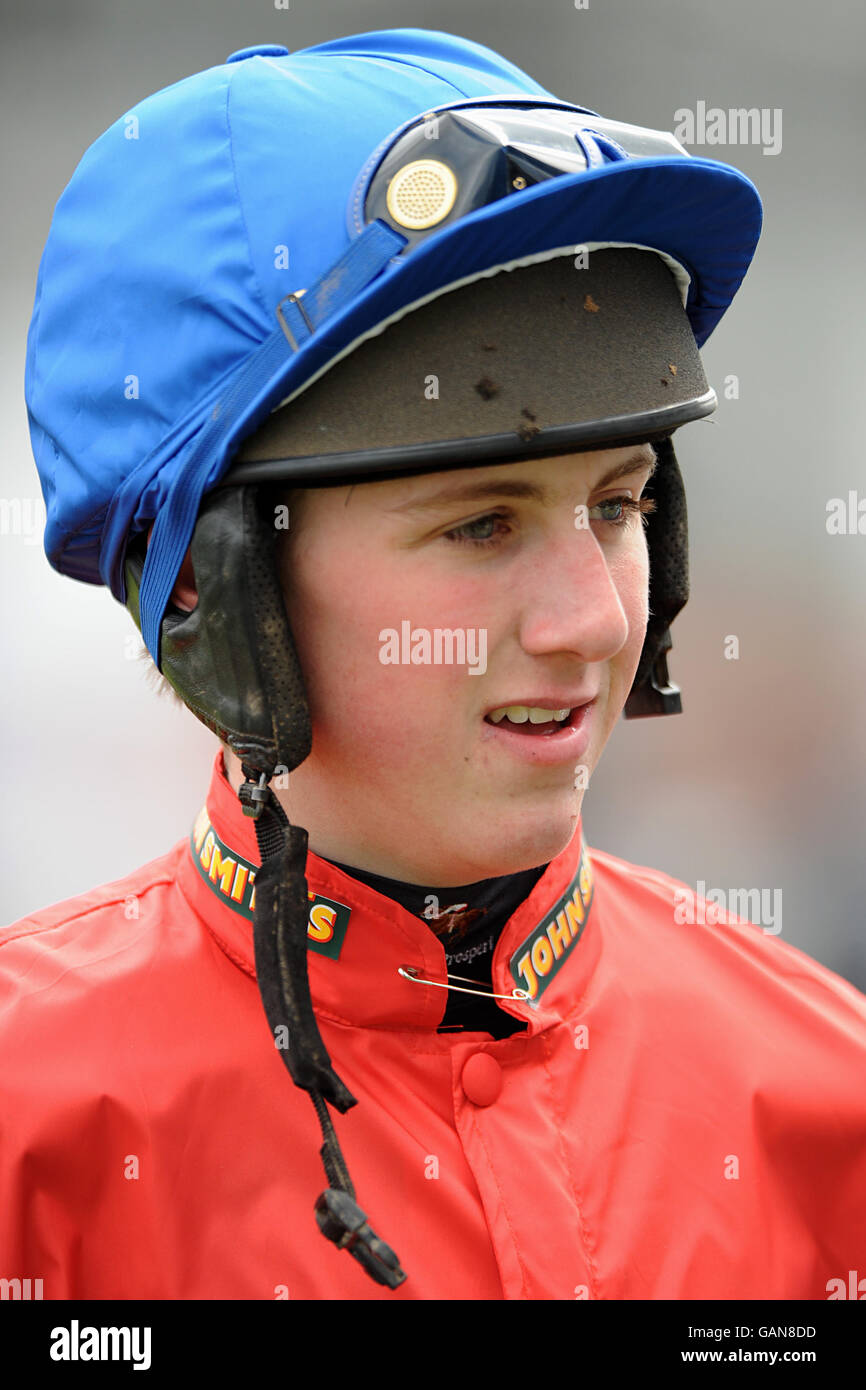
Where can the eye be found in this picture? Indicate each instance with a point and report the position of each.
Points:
(478, 533)
(492, 529)
(626, 510)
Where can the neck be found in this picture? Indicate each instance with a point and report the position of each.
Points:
(413, 854)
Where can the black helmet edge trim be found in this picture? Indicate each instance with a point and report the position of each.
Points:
(466, 453)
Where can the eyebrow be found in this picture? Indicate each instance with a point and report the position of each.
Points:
(500, 487)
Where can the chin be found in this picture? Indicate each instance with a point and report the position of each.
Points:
(517, 842)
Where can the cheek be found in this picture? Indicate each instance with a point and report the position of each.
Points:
(630, 574)
(636, 602)
(340, 600)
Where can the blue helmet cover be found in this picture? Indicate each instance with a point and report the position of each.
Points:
(155, 345)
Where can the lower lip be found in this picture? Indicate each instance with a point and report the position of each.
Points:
(568, 744)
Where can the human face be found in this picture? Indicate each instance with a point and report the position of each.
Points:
(408, 776)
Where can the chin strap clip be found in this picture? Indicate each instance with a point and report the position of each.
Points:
(657, 694)
(253, 795)
(341, 1220)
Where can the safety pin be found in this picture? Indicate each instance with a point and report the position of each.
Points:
(410, 973)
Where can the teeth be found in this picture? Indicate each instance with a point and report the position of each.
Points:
(519, 714)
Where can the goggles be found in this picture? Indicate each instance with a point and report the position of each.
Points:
(364, 416)
(452, 160)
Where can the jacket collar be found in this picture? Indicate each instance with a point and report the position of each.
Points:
(358, 939)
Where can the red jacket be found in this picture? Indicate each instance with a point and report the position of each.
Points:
(683, 1118)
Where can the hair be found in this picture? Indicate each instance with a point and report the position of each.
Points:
(156, 680)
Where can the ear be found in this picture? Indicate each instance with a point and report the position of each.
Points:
(184, 595)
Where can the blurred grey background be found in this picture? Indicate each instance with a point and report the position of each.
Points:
(760, 782)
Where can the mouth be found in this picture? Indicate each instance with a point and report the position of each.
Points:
(536, 721)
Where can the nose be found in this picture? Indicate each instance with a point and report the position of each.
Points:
(571, 602)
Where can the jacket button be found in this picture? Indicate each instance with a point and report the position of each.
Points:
(482, 1078)
(257, 50)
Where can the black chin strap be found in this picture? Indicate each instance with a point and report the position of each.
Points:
(280, 939)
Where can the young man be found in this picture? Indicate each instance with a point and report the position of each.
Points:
(406, 530)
